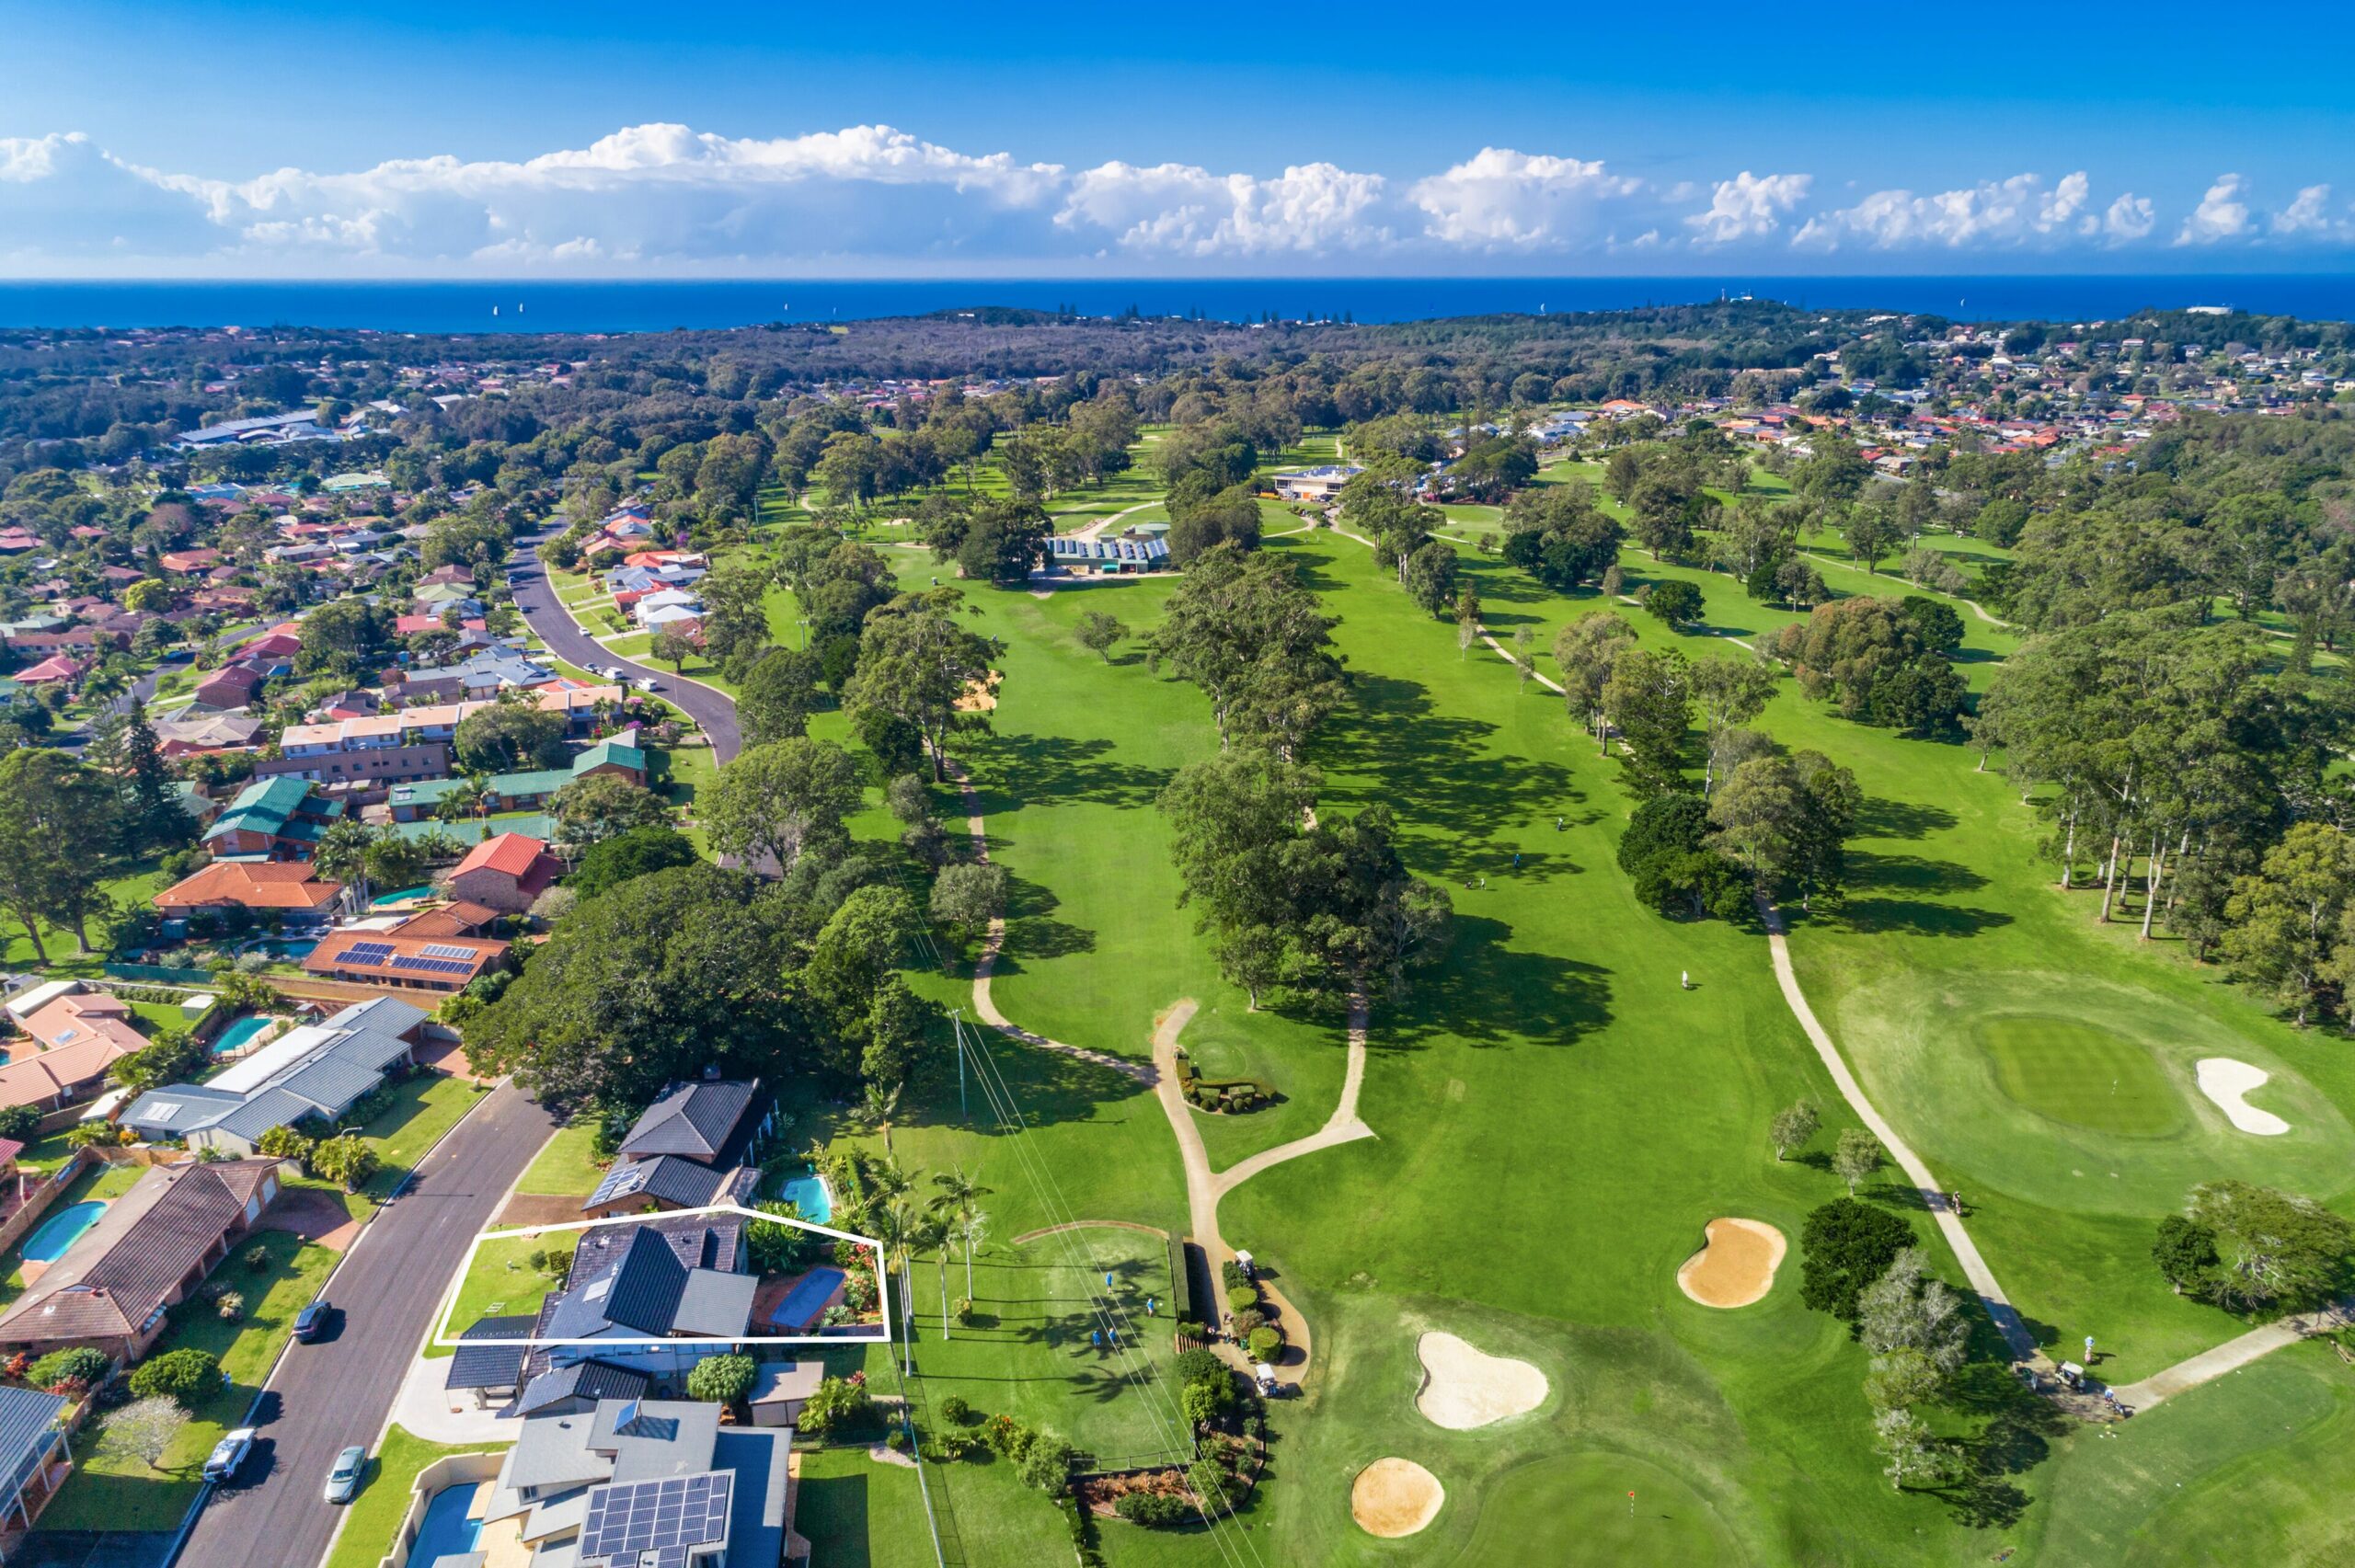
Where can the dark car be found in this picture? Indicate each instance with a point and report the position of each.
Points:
(311, 1322)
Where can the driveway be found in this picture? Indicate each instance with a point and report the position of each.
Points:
(713, 712)
(327, 1396)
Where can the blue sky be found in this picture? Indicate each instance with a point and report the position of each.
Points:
(720, 139)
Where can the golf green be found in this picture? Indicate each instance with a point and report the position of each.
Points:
(1617, 1508)
(2080, 1073)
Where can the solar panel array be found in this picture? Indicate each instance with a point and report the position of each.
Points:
(657, 1522)
(367, 953)
(443, 950)
(433, 965)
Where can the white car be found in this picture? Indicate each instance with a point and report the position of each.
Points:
(611, 672)
(227, 1454)
(344, 1481)
(647, 683)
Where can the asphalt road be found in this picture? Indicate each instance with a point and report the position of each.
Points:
(325, 1396)
(714, 712)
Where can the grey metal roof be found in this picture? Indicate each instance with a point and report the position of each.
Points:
(272, 1107)
(170, 1112)
(714, 1305)
(493, 1356)
(332, 1084)
(591, 1381)
(697, 1120)
(666, 1176)
(27, 1419)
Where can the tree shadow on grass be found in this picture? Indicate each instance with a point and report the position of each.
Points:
(1489, 994)
(1884, 818)
(1045, 768)
(1049, 1086)
(1909, 918)
(1419, 761)
(1031, 929)
(1911, 874)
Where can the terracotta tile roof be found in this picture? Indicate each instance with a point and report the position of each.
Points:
(513, 854)
(258, 884)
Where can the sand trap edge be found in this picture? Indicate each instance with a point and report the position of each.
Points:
(1778, 1244)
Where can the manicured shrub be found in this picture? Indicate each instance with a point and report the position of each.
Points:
(954, 1408)
(1267, 1343)
(1046, 1464)
(1241, 1297)
(1230, 1274)
(1154, 1510)
(77, 1368)
(183, 1375)
(721, 1379)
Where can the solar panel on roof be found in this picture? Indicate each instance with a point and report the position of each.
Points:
(367, 953)
(443, 950)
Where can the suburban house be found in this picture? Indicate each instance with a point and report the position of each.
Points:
(695, 1146)
(505, 873)
(627, 1482)
(680, 1278)
(418, 953)
(76, 1036)
(367, 768)
(316, 1069)
(152, 1246)
(78, 1016)
(207, 732)
(279, 818)
(34, 1458)
(285, 885)
(231, 686)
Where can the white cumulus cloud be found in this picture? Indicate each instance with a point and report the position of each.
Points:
(2019, 211)
(1501, 199)
(1748, 206)
(2309, 216)
(2128, 217)
(2222, 214)
(1182, 208)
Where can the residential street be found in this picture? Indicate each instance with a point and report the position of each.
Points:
(712, 711)
(336, 1392)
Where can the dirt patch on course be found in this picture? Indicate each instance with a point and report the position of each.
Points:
(1464, 1387)
(981, 696)
(1737, 1267)
(1395, 1497)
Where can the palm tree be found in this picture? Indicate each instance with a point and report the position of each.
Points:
(897, 1228)
(959, 1200)
(932, 1233)
(971, 1229)
(880, 1106)
(341, 854)
(469, 796)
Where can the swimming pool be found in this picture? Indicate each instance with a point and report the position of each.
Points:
(62, 1229)
(445, 1531)
(292, 948)
(807, 1193)
(240, 1035)
(805, 1299)
(403, 897)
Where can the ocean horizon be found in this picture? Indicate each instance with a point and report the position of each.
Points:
(530, 306)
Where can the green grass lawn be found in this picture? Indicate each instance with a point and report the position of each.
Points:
(502, 1281)
(2081, 1073)
(372, 1518)
(861, 1513)
(424, 1107)
(114, 1491)
(565, 1165)
(1029, 1353)
(64, 962)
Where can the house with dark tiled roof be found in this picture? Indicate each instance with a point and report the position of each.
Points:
(151, 1247)
(697, 1145)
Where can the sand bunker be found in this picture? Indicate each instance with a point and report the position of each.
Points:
(1464, 1387)
(1395, 1497)
(981, 696)
(2225, 1080)
(1737, 1265)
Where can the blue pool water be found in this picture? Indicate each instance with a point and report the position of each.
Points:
(445, 1531)
(807, 1192)
(62, 1229)
(403, 897)
(805, 1299)
(240, 1035)
(288, 947)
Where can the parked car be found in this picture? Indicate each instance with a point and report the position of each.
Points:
(311, 1322)
(344, 1481)
(647, 683)
(610, 671)
(227, 1454)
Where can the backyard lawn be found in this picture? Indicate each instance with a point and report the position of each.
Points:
(503, 1281)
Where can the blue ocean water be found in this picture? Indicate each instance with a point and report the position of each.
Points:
(527, 306)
